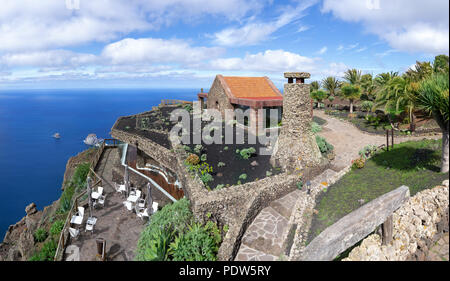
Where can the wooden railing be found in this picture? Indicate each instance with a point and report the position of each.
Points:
(173, 102)
(64, 236)
(355, 226)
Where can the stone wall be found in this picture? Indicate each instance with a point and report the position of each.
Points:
(161, 154)
(217, 95)
(417, 224)
(235, 206)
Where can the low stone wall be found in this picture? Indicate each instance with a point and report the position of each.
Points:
(161, 154)
(417, 224)
(303, 214)
(235, 206)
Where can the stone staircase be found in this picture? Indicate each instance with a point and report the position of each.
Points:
(269, 237)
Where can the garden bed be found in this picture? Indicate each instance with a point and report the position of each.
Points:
(231, 164)
(128, 125)
(414, 164)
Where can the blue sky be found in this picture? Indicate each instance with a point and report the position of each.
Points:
(185, 43)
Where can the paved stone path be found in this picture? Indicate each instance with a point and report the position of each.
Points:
(348, 140)
(265, 239)
(439, 252)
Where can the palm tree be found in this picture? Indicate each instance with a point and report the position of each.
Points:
(433, 97)
(368, 87)
(420, 71)
(315, 85)
(351, 92)
(331, 84)
(353, 76)
(441, 64)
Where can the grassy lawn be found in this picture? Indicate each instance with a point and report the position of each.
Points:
(414, 164)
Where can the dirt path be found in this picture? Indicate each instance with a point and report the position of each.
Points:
(348, 140)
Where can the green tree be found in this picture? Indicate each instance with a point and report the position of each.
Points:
(319, 95)
(351, 92)
(419, 71)
(367, 87)
(331, 84)
(441, 64)
(314, 86)
(353, 76)
(433, 98)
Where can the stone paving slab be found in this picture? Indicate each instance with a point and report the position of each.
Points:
(285, 204)
(266, 232)
(249, 254)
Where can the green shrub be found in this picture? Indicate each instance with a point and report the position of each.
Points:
(243, 176)
(40, 235)
(358, 163)
(186, 148)
(188, 107)
(300, 184)
(368, 151)
(324, 146)
(315, 128)
(158, 249)
(203, 157)
(48, 250)
(268, 173)
(220, 164)
(247, 152)
(206, 178)
(225, 148)
(76, 183)
(200, 243)
(173, 218)
(198, 148)
(192, 159)
(57, 226)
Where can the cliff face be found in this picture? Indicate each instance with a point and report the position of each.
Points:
(18, 243)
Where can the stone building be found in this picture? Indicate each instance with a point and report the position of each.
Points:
(255, 93)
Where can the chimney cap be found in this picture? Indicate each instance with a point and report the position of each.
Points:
(304, 75)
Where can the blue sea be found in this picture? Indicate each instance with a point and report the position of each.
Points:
(32, 162)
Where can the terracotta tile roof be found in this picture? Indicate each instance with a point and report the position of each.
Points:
(252, 88)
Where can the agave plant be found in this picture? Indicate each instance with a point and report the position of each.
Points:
(433, 97)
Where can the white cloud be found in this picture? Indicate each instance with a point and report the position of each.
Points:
(303, 28)
(52, 58)
(48, 24)
(151, 50)
(322, 51)
(407, 25)
(255, 32)
(268, 61)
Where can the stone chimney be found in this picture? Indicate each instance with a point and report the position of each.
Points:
(296, 147)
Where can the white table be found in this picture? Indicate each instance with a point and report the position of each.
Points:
(76, 220)
(122, 188)
(95, 195)
(132, 198)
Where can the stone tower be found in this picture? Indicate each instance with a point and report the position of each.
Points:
(296, 147)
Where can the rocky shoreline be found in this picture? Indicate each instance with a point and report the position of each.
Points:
(18, 243)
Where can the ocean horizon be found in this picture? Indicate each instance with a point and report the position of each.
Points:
(32, 162)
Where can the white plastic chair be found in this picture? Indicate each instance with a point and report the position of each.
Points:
(90, 224)
(138, 193)
(73, 232)
(128, 205)
(155, 206)
(101, 200)
(81, 212)
(100, 190)
(141, 203)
